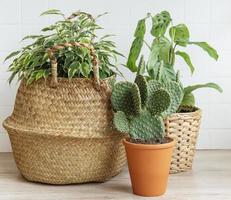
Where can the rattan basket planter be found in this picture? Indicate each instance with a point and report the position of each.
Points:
(63, 134)
(184, 128)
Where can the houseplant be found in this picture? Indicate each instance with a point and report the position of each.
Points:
(60, 128)
(183, 125)
(139, 111)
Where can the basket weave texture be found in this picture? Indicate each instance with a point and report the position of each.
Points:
(63, 134)
(184, 128)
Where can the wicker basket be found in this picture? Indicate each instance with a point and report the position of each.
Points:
(63, 134)
(184, 128)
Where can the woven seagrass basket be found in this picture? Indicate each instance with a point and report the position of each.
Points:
(61, 131)
(184, 128)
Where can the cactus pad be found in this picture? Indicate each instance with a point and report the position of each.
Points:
(144, 123)
(126, 97)
(121, 122)
(153, 85)
(158, 101)
(176, 94)
(141, 66)
(146, 127)
(143, 87)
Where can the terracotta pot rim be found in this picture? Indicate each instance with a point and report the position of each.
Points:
(149, 146)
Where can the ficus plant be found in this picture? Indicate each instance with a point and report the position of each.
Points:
(167, 38)
(32, 63)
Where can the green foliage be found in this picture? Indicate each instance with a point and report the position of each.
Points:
(189, 99)
(136, 45)
(140, 29)
(206, 47)
(134, 54)
(179, 34)
(159, 56)
(190, 89)
(32, 62)
(53, 12)
(164, 50)
(144, 124)
(187, 59)
(160, 23)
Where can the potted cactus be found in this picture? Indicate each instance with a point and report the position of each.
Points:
(140, 109)
(184, 124)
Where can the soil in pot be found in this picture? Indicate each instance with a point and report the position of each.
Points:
(149, 166)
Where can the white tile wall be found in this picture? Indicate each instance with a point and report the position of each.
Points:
(208, 20)
(197, 12)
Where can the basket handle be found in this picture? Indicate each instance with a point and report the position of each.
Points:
(54, 73)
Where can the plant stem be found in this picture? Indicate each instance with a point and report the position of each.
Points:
(147, 44)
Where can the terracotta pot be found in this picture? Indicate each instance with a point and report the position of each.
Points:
(149, 166)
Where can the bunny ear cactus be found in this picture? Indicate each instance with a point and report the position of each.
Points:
(159, 98)
(143, 88)
(174, 91)
(121, 122)
(126, 98)
(140, 107)
(147, 128)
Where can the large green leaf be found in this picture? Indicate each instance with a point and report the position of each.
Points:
(190, 89)
(205, 46)
(187, 59)
(160, 51)
(134, 54)
(160, 23)
(137, 45)
(165, 48)
(167, 73)
(180, 34)
(153, 59)
(188, 100)
(140, 29)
